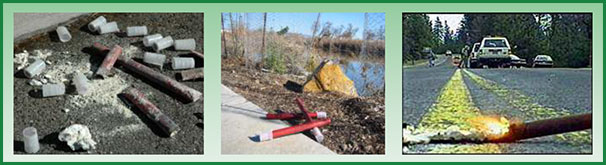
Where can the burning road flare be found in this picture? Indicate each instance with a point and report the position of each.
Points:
(500, 130)
(491, 127)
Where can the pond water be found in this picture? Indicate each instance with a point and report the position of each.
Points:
(368, 77)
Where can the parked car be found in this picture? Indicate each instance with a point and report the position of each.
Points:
(517, 61)
(493, 52)
(448, 53)
(542, 61)
(473, 56)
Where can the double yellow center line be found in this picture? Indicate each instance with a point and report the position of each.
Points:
(454, 107)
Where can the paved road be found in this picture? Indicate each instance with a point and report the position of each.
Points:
(422, 85)
(524, 94)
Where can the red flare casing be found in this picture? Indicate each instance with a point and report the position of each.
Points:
(303, 109)
(299, 128)
(286, 116)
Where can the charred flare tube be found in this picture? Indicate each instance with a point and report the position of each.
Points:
(151, 111)
(288, 116)
(190, 94)
(521, 131)
(191, 74)
(292, 130)
(108, 62)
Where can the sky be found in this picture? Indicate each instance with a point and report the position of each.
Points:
(454, 20)
(302, 22)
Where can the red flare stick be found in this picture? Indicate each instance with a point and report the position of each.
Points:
(303, 109)
(299, 128)
(292, 130)
(288, 116)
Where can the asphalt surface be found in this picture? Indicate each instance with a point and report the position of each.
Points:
(422, 86)
(560, 90)
(563, 88)
(116, 132)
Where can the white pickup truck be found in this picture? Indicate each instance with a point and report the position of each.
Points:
(493, 52)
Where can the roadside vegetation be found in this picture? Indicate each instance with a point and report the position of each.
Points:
(283, 51)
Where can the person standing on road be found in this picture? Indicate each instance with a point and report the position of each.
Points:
(431, 60)
(464, 57)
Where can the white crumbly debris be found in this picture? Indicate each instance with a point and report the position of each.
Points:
(77, 137)
(125, 129)
(104, 92)
(130, 51)
(22, 59)
(42, 54)
(453, 133)
(60, 72)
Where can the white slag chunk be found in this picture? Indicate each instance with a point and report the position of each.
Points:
(77, 137)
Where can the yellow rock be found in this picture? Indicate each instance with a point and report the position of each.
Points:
(330, 77)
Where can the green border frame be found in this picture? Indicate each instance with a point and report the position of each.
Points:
(393, 72)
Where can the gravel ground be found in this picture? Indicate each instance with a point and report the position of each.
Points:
(358, 124)
(116, 128)
(421, 88)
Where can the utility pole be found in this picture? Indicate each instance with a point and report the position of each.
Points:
(263, 41)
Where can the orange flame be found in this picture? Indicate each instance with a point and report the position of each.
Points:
(492, 127)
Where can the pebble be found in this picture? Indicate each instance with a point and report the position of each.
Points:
(69, 63)
(65, 110)
(48, 62)
(47, 76)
